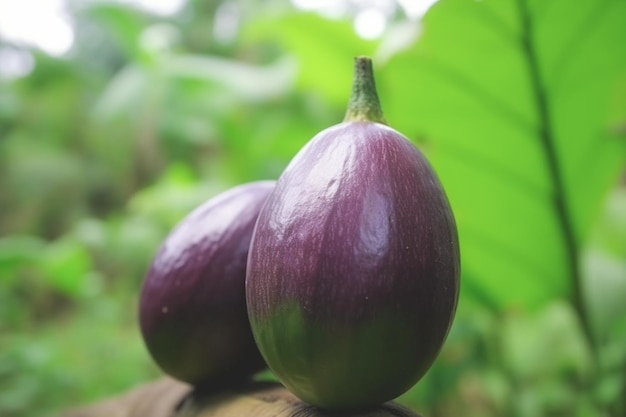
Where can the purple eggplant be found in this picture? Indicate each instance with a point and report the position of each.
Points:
(353, 271)
(192, 310)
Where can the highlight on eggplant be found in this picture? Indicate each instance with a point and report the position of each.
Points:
(353, 271)
(192, 309)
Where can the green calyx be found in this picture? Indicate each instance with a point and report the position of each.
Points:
(364, 104)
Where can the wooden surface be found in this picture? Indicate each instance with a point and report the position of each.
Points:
(155, 399)
(169, 398)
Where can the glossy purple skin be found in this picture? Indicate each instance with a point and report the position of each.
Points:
(357, 229)
(192, 309)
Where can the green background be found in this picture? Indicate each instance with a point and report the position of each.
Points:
(520, 105)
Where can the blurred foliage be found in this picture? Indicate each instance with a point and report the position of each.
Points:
(519, 105)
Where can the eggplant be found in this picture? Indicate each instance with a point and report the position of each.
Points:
(192, 308)
(353, 271)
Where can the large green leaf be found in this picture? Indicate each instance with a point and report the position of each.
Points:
(514, 101)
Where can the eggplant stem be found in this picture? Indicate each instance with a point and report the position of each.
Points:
(364, 104)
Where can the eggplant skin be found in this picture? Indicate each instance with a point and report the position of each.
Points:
(192, 308)
(353, 271)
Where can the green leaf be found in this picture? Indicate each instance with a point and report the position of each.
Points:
(243, 80)
(323, 48)
(605, 282)
(604, 267)
(189, 90)
(515, 103)
(67, 266)
(124, 24)
(15, 252)
(171, 198)
(548, 342)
